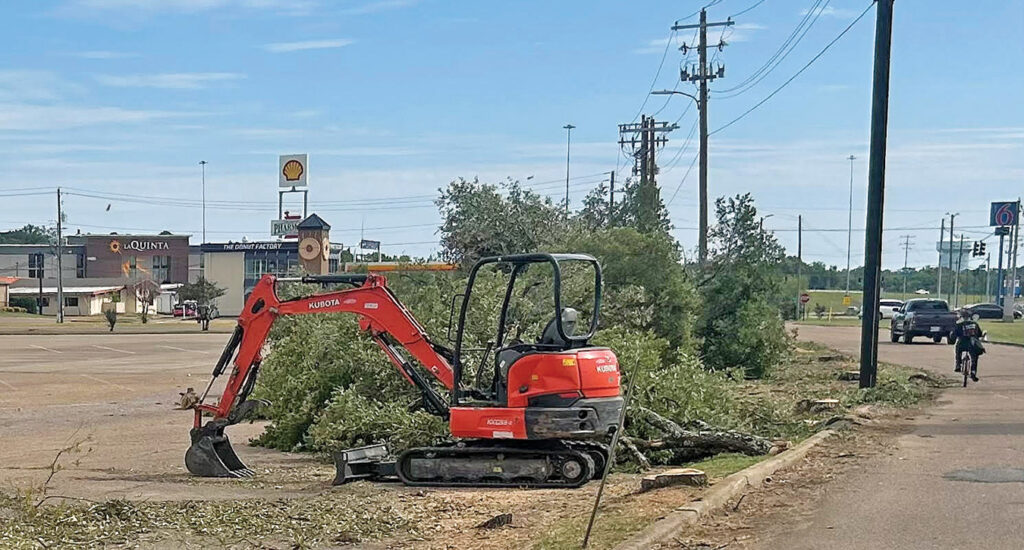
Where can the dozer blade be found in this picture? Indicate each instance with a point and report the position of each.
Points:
(370, 462)
(212, 456)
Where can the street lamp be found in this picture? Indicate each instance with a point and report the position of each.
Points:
(676, 92)
(202, 166)
(849, 227)
(568, 142)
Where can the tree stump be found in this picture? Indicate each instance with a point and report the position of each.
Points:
(678, 476)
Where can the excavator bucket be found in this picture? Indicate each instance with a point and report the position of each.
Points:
(212, 456)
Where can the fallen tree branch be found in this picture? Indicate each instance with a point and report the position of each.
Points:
(638, 456)
(705, 441)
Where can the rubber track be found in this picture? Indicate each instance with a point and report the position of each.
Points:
(558, 454)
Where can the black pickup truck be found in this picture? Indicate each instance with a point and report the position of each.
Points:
(923, 317)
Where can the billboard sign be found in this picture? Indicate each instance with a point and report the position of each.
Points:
(283, 228)
(367, 244)
(292, 171)
(1003, 214)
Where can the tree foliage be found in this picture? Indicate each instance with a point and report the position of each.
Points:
(202, 291)
(487, 220)
(29, 234)
(740, 325)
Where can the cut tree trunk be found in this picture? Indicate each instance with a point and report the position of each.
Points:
(687, 445)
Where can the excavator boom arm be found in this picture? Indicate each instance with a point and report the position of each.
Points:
(380, 313)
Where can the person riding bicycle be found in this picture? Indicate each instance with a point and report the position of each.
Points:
(968, 336)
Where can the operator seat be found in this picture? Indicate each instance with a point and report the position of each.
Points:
(550, 341)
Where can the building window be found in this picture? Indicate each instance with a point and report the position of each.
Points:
(71, 301)
(44, 301)
(162, 269)
(133, 266)
(35, 266)
(332, 265)
(80, 266)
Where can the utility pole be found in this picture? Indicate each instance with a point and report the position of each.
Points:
(906, 253)
(645, 164)
(959, 266)
(611, 199)
(988, 279)
(999, 270)
(952, 217)
(942, 236)
(849, 228)
(568, 143)
(60, 255)
(202, 166)
(988, 267)
(799, 259)
(876, 194)
(703, 75)
(1008, 308)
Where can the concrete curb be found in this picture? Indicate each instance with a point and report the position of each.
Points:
(719, 495)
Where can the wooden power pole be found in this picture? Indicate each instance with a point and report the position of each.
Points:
(702, 75)
(876, 194)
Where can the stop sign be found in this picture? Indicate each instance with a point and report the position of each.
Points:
(804, 298)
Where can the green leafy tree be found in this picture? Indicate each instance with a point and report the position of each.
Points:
(740, 323)
(485, 220)
(202, 291)
(645, 284)
(641, 207)
(29, 234)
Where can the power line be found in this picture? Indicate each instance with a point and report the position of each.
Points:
(788, 45)
(798, 73)
(756, 4)
(654, 81)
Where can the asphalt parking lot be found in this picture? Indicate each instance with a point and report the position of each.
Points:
(114, 395)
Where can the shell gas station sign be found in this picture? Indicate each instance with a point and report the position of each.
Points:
(292, 171)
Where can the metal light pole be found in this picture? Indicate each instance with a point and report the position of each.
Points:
(568, 143)
(952, 218)
(849, 228)
(202, 166)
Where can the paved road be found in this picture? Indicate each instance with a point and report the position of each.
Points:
(955, 481)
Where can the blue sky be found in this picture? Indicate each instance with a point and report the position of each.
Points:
(394, 98)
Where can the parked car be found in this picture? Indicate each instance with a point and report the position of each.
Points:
(921, 291)
(989, 311)
(886, 308)
(923, 317)
(188, 308)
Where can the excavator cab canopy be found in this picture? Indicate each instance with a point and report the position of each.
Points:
(550, 303)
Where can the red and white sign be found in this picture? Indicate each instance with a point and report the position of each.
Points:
(804, 298)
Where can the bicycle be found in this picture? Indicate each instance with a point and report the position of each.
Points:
(967, 363)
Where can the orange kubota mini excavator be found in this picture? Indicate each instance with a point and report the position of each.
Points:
(539, 423)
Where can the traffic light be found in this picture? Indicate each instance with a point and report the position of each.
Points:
(981, 249)
(975, 248)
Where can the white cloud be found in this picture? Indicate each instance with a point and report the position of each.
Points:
(34, 86)
(838, 13)
(103, 54)
(282, 47)
(378, 6)
(20, 116)
(173, 81)
(84, 7)
(738, 33)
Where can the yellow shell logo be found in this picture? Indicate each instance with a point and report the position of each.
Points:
(292, 170)
(115, 246)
